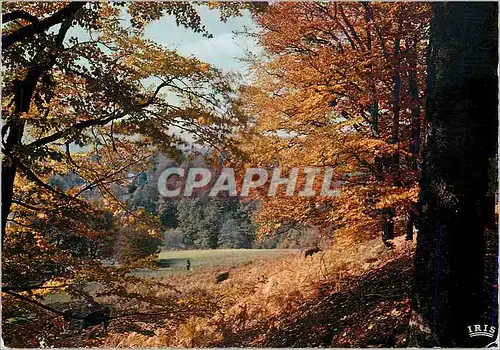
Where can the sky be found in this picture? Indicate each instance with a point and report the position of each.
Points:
(223, 50)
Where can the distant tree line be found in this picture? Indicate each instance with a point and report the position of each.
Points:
(202, 222)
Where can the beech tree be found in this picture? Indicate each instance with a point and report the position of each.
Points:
(340, 87)
(85, 93)
(461, 141)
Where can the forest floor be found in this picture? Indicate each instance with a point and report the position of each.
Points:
(372, 310)
(353, 308)
(356, 297)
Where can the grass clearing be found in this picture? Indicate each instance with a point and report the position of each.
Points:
(175, 261)
(353, 297)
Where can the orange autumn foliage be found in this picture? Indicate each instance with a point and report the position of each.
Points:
(340, 86)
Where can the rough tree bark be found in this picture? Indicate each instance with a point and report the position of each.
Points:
(461, 135)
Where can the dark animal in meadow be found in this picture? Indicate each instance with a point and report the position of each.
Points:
(222, 277)
(97, 317)
(188, 264)
(310, 251)
(94, 318)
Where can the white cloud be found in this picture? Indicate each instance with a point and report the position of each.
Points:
(220, 51)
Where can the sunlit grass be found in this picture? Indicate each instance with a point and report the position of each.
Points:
(175, 261)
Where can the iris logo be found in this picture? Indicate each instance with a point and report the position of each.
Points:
(484, 330)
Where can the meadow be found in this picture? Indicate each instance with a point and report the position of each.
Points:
(204, 262)
(174, 261)
(278, 298)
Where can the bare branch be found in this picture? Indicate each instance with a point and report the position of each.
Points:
(109, 175)
(34, 302)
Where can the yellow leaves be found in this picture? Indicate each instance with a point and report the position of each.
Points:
(143, 100)
(203, 120)
(40, 241)
(398, 197)
(396, 312)
(213, 4)
(204, 67)
(154, 233)
(73, 191)
(42, 216)
(6, 160)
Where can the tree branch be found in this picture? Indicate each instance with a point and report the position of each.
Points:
(76, 127)
(35, 286)
(94, 122)
(34, 302)
(19, 14)
(109, 175)
(40, 26)
(33, 177)
(27, 206)
(350, 26)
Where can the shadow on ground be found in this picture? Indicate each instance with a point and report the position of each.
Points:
(166, 263)
(372, 310)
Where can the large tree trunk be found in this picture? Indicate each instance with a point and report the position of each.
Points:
(389, 213)
(15, 128)
(9, 169)
(461, 117)
(24, 91)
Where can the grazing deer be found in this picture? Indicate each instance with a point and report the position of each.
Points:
(97, 317)
(310, 251)
(92, 319)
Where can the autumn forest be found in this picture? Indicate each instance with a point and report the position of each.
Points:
(334, 185)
